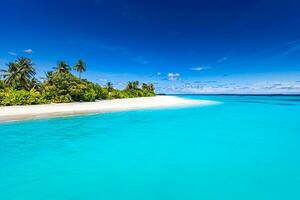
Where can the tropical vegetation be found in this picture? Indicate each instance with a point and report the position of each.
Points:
(19, 85)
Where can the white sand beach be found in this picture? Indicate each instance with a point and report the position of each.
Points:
(12, 113)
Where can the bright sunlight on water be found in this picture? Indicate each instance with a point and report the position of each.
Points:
(247, 147)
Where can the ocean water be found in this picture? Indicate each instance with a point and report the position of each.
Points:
(246, 147)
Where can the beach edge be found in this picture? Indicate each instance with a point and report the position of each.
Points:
(27, 112)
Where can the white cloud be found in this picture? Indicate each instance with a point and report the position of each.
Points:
(173, 76)
(273, 87)
(199, 68)
(12, 53)
(28, 51)
(103, 80)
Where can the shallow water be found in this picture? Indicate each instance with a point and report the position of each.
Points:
(248, 147)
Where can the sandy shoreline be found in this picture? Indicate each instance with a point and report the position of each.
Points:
(12, 113)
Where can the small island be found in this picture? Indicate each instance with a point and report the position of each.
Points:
(61, 93)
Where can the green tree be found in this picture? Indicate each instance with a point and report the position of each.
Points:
(148, 89)
(132, 85)
(145, 87)
(19, 73)
(62, 67)
(109, 87)
(135, 85)
(80, 67)
(35, 84)
(129, 86)
(151, 87)
(65, 87)
(2, 85)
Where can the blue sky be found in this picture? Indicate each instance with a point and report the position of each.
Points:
(181, 46)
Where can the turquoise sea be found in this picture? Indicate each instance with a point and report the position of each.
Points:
(247, 147)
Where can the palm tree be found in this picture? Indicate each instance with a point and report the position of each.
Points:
(148, 87)
(27, 70)
(135, 85)
(129, 86)
(145, 87)
(35, 84)
(11, 75)
(80, 67)
(62, 67)
(2, 85)
(109, 87)
(19, 73)
(151, 87)
(132, 85)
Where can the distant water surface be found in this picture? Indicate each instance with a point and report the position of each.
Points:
(247, 147)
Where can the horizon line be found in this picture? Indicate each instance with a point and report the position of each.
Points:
(233, 94)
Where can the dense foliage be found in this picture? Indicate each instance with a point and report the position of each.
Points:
(18, 85)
